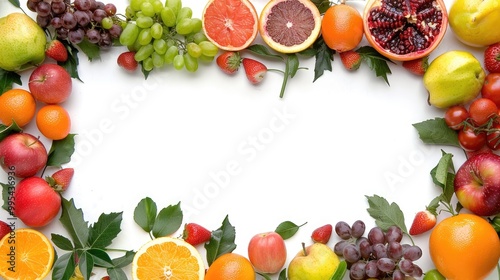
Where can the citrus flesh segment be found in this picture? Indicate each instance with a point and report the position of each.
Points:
(289, 26)
(167, 258)
(25, 254)
(231, 25)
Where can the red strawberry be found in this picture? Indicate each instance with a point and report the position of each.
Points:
(255, 70)
(127, 61)
(195, 234)
(229, 62)
(351, 60)
(61, 179)
(417, 66)
(492, 58)
(322, 234)
(56, 50)
(423, 221)
(4, 229)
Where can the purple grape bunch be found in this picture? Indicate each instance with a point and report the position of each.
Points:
(80, 20)
(379, 255)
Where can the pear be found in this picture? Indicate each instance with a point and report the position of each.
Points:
(23, 42)
(314, 262)
(453, 78)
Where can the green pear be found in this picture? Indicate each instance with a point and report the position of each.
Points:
(453, 78)
(315, 262)
(22, 44)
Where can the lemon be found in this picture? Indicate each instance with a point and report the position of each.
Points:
(452, 78)
(476, 22)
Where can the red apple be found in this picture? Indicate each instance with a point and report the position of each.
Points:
(22, 155)
(267, 252)
(50, 83)
(477, 184)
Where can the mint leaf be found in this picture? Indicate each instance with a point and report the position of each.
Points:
(61, 151)
(340, 271)
(324, 58)
(168, 221)
(8, 130)
(72, 220)
(145, 214)
(105, 230)
(221, 241)
(62, 242)
(64, 267)
(375, 61)
(435, 131)
(7, 79)
(385, 214)
(287, 229)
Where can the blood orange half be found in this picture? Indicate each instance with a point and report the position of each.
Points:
(231, 25)
(289, 26)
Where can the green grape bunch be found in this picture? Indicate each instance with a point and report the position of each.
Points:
(165, 33)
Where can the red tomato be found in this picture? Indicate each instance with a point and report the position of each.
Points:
(470, 140)
(481, 110)
(491, 88)
(455, 117)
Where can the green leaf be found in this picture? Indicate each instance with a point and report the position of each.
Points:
(62, 242)
(64, 267)
(287, 229)
(435, 131)
(168, 221)
(86, 264)
(293, 64)
(15, 3)
(282, 275)
(340, 271)
(7, 195)
(322, 5)
(145, 214)
(8, 130)
(385, 214)
(221, 241)
(105, 230)
(324, 58)
(443, 175)
(7, 79)
(116, 274)
(91, 50)
(100, 258)
(265, 276)
(61, 151)
(71, 64)
(375, 61)
(263, 51)
(434, 205)
(124, 260)
(73, 221)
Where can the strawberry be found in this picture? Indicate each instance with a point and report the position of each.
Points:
(423, 221)
(127, 61)
(56, 50)
(229, 62)
(195, 234)
(351, 60)
(492, 58)
(4, 229)
(61, 179)
(322, 234)
(417, 66)
(254, 70)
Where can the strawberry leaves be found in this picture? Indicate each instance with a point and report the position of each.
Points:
(221, 241)
(163, 223)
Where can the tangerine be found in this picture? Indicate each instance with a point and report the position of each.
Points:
(342, 27)
(231, 266)
(53, 121)
(464, 247)
(17, 105)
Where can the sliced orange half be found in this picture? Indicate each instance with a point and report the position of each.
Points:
(231, 25)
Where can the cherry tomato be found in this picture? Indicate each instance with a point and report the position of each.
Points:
(470, 140)
(455, 117)
(491, 88)
(481, 110)
(493, 137)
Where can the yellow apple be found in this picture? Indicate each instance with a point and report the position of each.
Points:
(314, 262)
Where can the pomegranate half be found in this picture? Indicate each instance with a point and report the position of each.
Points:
(404, 30)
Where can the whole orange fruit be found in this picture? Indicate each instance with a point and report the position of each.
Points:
(230, 266)
(17, 105)
(53, 121)
(464, 247)
(342, 27)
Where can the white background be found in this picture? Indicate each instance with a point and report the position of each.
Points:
(169, 136)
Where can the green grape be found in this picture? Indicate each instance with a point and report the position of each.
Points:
(170, 42)
(191, 63)
(199, 37)
(178, 62)
(148, 64)
(205, 58)
(158, 6)
(208, 48)
(184, 26)
(145, 37)
(129, 12)
(193, 49)
(144, 52)
(168, 16)
(136, 45)
(197, 25)
(158, 60)
(156, 30)
(129, 34)
(184, 12)
(160, 46)
(144, 22)
(136, 4)
(139, 14)
(147, 9)
(175, 5)
(107, 22)
(170, 54)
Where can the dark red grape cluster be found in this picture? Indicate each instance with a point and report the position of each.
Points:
(79, 20)
(379, 255)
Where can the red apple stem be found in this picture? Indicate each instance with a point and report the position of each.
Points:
(304, 248)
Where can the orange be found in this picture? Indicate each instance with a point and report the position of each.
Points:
(25, 254)
(464, 247)
(53, 121)
(231, 266)
(342, 27)
(231, 25)
(167, 258)
(17, 105)
(289, 26)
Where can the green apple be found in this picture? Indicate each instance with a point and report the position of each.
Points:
(22, 44)
(314, 262)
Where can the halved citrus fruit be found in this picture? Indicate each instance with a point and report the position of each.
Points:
(167, 258)
(289, 26)
(25, 254)
(231, 25)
